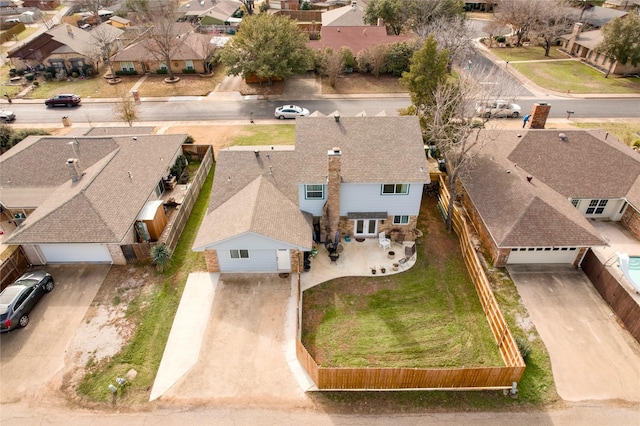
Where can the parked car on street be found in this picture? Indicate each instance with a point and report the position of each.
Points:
(64, 99)
(7, 116)
(17, 300)
(499, 108)
(290, 111)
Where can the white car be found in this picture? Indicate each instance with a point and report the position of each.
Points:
(290, 111)
(7, 116)
(498, 108)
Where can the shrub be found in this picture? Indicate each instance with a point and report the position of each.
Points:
(264, 7)
(162, 71)
(30, 76)
(178, 167)
(74, 75)
(122, 72)
(161, 257)
(21, 72)
(48, 76)
(36, 84)
(61, 75)
(500, 39)
(188, 71)
(525, 348)
(189, 139)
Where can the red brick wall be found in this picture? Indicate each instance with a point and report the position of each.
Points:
(631, 219)
(211, 258)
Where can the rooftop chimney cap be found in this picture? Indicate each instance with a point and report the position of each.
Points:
(336, 116)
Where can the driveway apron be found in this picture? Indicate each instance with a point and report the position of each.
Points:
(592, 356)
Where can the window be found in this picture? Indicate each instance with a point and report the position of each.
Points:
(163, 66)
(400, 220)
(314, 192)
(239, 254)
(188, 65)
(159, 188)
(395, 188)
(575, 202)
(596, 206)
(127, 66)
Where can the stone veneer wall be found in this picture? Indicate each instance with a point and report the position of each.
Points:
(211, 258)
(346, 227)
(631, 219)
(296, 260)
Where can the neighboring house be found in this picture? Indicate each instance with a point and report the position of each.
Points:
(86, 197)
(42, 4)
(64, 47)
(346, 16)
(190, 54)
(583, 44)
(594, 16)
(357, 39)
(225, 12)
(119, 22)
(532, 194)
(353, 176)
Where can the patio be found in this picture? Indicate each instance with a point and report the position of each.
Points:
(620, 240)
(356, 259)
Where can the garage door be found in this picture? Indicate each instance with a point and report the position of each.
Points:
(72, 253)
(542, 255)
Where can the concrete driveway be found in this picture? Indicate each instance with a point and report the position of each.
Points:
(592, 357)
(31, 357)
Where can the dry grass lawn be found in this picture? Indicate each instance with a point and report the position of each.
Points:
(356, 83)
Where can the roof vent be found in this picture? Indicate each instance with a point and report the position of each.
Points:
(563, 137)
(529, 178)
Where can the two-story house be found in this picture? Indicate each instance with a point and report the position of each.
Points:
(356, 176)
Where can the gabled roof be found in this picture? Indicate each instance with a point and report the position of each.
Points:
(196, 7)
(520, 213)
(596, 16)
(223, 10)
(357, 39)
(193, 47)
(374, 150)
(120, 175)
(258, 208)
(76, 40)
(346, 16)
(588, 39)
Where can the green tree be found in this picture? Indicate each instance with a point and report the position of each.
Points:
(428, 69)
(390, 11)
(621, 41)
(268, 46)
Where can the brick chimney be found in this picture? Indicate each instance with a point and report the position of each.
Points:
(333, 190)
(575, 35)
(539, 115)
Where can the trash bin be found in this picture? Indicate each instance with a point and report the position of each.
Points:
(442, 166)
(65, 121)
(136, 95)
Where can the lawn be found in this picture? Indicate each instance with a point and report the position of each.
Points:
(627, 133)
(576, 77)
(530, 53)
(427, 317)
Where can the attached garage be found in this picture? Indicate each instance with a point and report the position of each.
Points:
(75, 253)
(542, 255)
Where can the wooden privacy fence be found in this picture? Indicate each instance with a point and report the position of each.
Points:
(501, 332)
(14, 263)
(612, 291)
(327, 378)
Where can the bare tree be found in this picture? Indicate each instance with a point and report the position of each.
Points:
(420, 14)
(554, 20)
(451, 34)
(164, 34)
(374, 59)
(520, 15)
(332, 65)
(104, 44)
(126, 110)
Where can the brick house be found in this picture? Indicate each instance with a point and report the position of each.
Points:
(354, 176)
(532, 194)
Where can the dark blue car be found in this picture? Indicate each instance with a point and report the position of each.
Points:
(17, 300)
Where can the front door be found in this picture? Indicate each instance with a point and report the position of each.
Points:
(366, 227)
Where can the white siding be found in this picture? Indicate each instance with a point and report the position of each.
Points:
(258, 261)
(368, 198)
(311, 206)
(611, 210)
(75, 253)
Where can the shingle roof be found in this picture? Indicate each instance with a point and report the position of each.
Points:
(103, 204)
(519, 213)
(374, 150)
(258, 208)
(76, 40)
(346, 16)
(357, 39)
(588, 39)
(194, 46)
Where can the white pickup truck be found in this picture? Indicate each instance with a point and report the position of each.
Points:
(498, 108)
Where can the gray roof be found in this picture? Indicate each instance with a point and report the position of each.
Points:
(588, 39)
(374, 150)
(120, 176)
(258, 208)
(596, 15)
(223, 10)
(519, 213)
(76, 40)
(346, 16)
